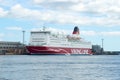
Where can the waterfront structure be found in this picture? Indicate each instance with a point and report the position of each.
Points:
(96, 49)
(7, 47)
(45, 42)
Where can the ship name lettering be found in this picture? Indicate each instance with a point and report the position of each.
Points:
(79, 51)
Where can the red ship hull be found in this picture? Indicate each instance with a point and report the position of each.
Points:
(57, 50)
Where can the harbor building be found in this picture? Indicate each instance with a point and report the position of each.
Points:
(97, 49)
(11, 47)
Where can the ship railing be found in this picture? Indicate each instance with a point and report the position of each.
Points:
(38, 44)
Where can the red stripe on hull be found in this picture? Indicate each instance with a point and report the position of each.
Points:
(57, 50)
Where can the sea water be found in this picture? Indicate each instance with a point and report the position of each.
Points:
(59, 67)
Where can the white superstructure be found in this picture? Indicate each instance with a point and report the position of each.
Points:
(46, 38)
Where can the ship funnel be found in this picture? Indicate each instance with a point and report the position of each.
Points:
(76, 30)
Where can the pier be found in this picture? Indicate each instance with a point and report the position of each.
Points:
(12, 48)
(98, 50)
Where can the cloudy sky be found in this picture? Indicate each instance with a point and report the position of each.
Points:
(97, 19)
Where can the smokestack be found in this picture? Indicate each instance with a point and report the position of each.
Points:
(76, 30)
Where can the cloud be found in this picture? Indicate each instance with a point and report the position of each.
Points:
(97, 12)
(78, 12)
(88, 33)
(18, 11)
(54, 4)
(112, 33)
(8, 3)
(3, 13)
(54, 1)
(94, 33)
(96, 6)
(14, 28)
(2, 2)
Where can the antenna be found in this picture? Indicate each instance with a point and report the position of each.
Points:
(102, 46)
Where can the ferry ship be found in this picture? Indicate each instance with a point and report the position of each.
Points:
(45, 42)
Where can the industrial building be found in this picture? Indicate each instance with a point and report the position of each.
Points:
(11, 47)
(97, 49)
